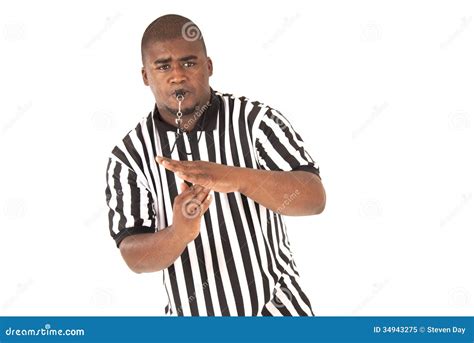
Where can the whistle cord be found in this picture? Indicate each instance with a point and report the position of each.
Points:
(179, 131)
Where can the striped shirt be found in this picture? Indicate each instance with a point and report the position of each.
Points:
(241, 263)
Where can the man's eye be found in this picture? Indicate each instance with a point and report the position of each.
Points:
(163, 67)
(189, 64)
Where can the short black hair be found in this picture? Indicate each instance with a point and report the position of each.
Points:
(168, 27)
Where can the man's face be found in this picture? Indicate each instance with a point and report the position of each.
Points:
(177, 64)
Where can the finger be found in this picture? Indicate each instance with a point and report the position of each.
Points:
(165, 161)
(187, 177)
(193, 189)
(192, 201)
(202, 194)
(193, 208)
(183, 187)
(174, 167)
(206, 203)
(170, 164)
(196, 189)
(190, 193)
(162, 159)
(201, 179)
(196, 178)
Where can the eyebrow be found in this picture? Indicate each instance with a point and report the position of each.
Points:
(181, 59)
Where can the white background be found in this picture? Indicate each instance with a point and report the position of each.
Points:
(381, 92)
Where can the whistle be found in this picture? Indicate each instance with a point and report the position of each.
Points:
(179, 95)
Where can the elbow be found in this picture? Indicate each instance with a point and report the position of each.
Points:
(138, 262)
(308, 207)
(134, 268)
(130, 257)
(320, 206)
(312, 202)
(137, 267)
(320, 200)
(133, 265)
(315, 195)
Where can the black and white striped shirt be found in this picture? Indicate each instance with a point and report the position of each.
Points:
(241, 263)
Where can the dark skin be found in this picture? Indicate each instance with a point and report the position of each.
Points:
(268, 188)
(179, 64)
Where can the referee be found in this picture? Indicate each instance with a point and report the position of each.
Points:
(198, 188)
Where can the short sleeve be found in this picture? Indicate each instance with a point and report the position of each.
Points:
(279, 147)
(130, 203)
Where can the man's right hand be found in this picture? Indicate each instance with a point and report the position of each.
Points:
(151, 252)
(188, 208)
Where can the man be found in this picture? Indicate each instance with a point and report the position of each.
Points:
(198, 188)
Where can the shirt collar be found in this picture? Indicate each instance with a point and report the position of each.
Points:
(207, 121)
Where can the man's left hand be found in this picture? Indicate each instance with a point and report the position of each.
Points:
(218, 177)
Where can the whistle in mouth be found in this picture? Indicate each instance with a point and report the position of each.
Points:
(179, 95)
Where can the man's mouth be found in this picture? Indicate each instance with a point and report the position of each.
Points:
(179, 92)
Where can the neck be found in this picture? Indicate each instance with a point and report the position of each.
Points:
(188, 121)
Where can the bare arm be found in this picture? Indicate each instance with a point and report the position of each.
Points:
(151, 252)
(291, 193)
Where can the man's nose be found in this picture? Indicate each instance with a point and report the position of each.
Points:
(178, 74)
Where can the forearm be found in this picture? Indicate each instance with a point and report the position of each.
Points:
(292, 193)
(151, 252)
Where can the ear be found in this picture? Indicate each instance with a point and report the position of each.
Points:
(145, 77)
(210, 68)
